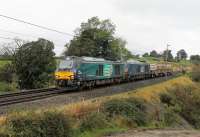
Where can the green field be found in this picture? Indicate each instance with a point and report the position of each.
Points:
(150, 60)
(153, 60)
(3, 62)
(5, 87)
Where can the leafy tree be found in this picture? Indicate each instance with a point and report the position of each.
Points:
(195, 74)
(195, 58)
(146, 54)
(154, 54)
(181, 54)
(95, 38)
(167, 54)
(34, 63)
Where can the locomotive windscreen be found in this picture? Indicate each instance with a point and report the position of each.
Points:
(65, 65)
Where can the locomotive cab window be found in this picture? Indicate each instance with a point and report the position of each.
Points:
(99, 71)
(117, 69)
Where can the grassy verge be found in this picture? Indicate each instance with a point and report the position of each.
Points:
(3, 62)
(101, 132)
(7, 87)
(173, 103)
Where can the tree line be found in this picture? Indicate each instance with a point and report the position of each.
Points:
(180, 55)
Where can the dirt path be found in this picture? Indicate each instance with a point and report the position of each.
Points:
(159, 133)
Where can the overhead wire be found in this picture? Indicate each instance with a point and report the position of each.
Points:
(39, 26)
(26, 35)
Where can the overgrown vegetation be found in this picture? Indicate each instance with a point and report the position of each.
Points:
(94, 121)
(184, 101)
(132, 109)
(34, 64)
(195, 74)
(7, 78)
(47, 124)
(174, 103)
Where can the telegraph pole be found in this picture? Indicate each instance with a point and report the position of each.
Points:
(166, 59)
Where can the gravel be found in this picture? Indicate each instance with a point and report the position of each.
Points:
(159, 133)
(75, 96)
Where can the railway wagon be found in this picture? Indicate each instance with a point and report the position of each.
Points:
(161, 69)
(88, 72)
(137, 70)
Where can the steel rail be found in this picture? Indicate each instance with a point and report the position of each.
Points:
(31, 95)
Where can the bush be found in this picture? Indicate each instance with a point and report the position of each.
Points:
(187, 100)
(94, 121)
(166, 98)
(48, 124)
(7, 73)
(132, 109)
(195, 73)
(4, 135)
(4, 87)
(170, 117)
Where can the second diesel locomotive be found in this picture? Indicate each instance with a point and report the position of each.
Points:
(83, 72)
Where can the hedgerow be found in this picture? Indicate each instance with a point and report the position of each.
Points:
(132, 109)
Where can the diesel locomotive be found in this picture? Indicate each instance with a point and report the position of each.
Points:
(84, 72)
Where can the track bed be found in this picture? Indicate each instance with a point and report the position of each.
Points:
(66, 96)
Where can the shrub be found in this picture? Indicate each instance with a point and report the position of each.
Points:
(166, 98)
(48, 124)
(94, 121)
(170, 117)
(124, 122)
(4, 135)
(188, 101)
(7, 73)
(7, 87)
(133, 109)
(196, 72)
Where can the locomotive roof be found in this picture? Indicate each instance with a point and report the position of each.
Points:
(92, 59)
(102, 60)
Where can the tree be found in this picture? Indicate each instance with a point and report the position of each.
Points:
(181, 54)
(95, 38)
(146, 54)
(154, 54)
(167, 54)
(195, 57)
(195, 74)
(34, 63)
(7, 73)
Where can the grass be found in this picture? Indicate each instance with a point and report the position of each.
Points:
(7, 87)
(151, 60)
(150, 94)
(3, 62)
(102, 132)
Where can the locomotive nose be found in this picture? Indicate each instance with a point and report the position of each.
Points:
(64, 75)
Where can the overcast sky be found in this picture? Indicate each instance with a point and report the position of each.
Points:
(144, 24)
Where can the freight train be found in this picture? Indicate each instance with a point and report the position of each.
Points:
(87, 72)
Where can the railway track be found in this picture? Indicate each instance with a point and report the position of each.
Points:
(36, 94)
(30, 95)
